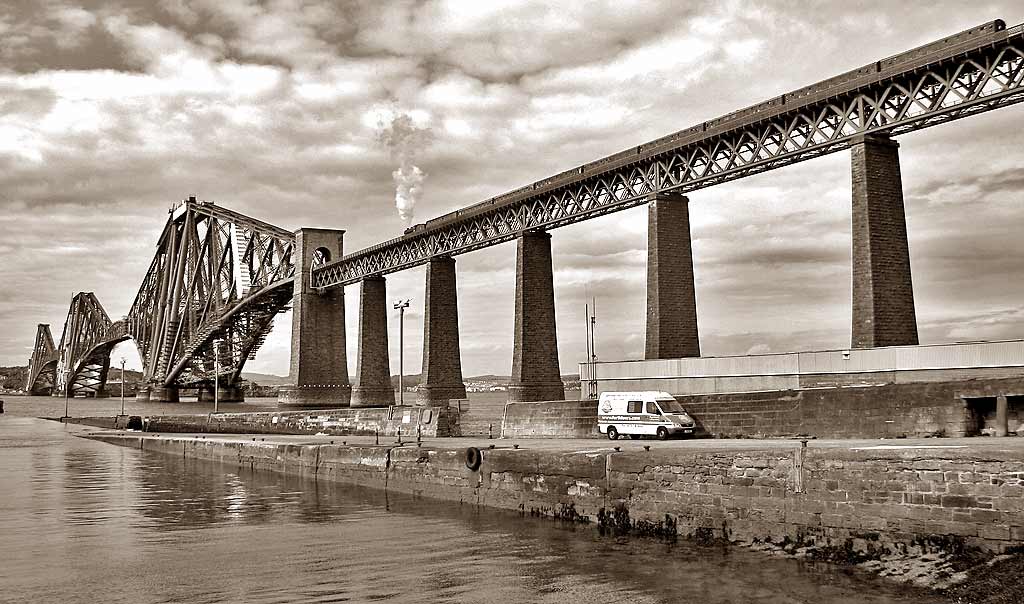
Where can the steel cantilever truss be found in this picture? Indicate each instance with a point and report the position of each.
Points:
(42, 366)
(216, 283)
(83, 356)
(210, 296)
(976, 71)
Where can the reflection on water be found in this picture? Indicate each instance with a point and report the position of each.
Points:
(88, 522)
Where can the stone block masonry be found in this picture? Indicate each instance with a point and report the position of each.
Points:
(535, 371)
(885, 411)
(874, 500)
(319, 363)
(442, 359)
(381, 421)
(883, 292)
(551, 419)
(671, 301)
(373, 373)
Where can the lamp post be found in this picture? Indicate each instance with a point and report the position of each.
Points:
(67, 389)
(216, 375)
(401, 305)
(122, 385)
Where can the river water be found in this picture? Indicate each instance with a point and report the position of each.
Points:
(82, 521)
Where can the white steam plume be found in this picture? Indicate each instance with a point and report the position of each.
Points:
(405, 140)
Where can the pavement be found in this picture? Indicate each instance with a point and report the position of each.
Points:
(1010, 444)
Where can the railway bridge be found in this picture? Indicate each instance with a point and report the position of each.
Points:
(862, 111)
(208, 300)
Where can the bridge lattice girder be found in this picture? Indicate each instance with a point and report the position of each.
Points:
(42, 366)
(207, 302)
(209, 298)
(975, 71)
(80, 369)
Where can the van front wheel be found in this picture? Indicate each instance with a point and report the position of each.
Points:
(613, 434)
(662, 433)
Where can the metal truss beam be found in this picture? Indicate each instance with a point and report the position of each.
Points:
(42, 366)
(207, 303)
(85, 328)
(978, 70)
(209, 298)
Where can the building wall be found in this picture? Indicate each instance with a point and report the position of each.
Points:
(791, 371)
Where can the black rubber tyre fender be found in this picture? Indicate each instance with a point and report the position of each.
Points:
(473, 458)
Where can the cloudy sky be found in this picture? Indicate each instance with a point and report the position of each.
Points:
(110, 111)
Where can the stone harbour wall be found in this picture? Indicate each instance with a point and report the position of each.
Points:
(385, 421)
(877, 500)
(884, 411)
(551, 419)
(941, 408)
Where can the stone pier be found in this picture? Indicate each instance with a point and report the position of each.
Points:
(1002, 415)
(319, 362)
(535, 372)
(883, 292)
(442, 360)
(373, 373)
(671, 301)
(163, 394)
(231, 393)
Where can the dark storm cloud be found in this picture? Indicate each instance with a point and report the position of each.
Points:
(58, 35)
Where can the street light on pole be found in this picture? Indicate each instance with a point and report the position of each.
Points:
(216, 375)
(401, 305)
(67, 389)
(122, 385)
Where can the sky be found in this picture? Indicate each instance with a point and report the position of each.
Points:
(316, 114)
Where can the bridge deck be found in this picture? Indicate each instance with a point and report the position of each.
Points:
(976, 70)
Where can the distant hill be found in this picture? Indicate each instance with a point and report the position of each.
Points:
(497, 379)
(266, 379)
(13, 378)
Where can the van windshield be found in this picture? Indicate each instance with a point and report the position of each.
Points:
(670, 405)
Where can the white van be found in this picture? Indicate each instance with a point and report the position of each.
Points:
(637, 414)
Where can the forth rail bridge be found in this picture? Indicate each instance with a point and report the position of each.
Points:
(219, 278)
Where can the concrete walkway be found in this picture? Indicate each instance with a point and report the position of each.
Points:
(577, 445)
